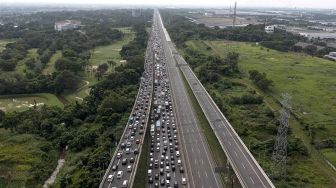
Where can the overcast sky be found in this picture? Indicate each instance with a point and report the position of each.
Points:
(214, 3)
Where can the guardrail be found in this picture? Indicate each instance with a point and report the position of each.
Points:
(125, 130)
(241, 179)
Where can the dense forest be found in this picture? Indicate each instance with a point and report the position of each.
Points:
(89, 129)
(37, 31)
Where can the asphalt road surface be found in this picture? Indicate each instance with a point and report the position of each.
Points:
(200, 165)
(247, 169)
(166, 163)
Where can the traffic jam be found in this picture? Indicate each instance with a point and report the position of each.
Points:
(123, 165)
(165, 167)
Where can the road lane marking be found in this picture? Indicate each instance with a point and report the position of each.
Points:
(251, 179)
(243, 165)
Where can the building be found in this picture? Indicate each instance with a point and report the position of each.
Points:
(331, 56)
(269, 29)
(67, 24)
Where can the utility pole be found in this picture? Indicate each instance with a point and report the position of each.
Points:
(234, 14)
(279, 156)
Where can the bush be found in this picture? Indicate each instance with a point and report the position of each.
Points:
(247, 99)
(260, 79)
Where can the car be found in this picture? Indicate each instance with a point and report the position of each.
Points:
(149, 173)
(110, 177)
(124, 161)
(179, 162)
(177, 153)
(167, 182)
(119, 174)
(173, 168)
(150, 180)
(156, 176)
(127, 151)
(114, 167)
(125, 183)
(131, 160)
(136, 151)
(175, 184)
(162, 182)
(181, 170)
(137, 141)
(167, 169)
(184, 181)
(129, 168)
(156, 185)
(161, 171)
(119, 155)
(129, 144)
(168, 176)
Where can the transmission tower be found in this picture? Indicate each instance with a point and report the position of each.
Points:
(279, 156)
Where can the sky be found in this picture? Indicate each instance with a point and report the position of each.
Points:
(198, 3)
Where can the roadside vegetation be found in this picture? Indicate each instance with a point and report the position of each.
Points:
(88, 130)
(246, 81)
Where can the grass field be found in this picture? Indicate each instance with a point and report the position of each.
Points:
(22, 102)
(100, 55)
(50, 67)
(309, 80)
(19, 153)
(3, 43)
(306, 79)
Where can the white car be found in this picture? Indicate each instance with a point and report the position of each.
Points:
(127, 151)
(110, 177)
(119, 155)
(184, 181)
(119, 174)
(129, 168)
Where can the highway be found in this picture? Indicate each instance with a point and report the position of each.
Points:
(166, 163)
(247, 169)
(200, 165)
(123, 165)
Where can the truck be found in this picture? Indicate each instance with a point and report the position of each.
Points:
(152, 130)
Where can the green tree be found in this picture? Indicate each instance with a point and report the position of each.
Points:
(232, 60)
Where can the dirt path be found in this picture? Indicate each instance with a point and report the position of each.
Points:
(53, 176)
